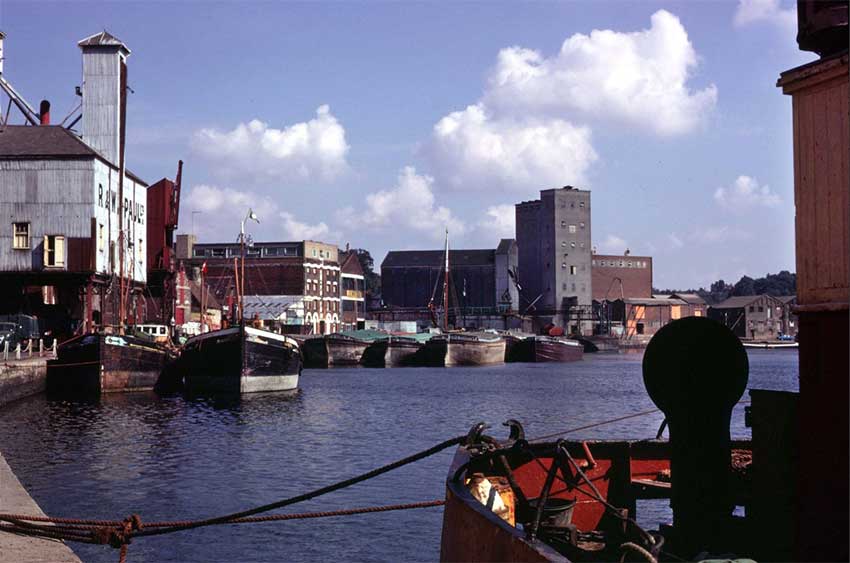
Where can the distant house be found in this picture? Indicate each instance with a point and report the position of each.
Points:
(695, 306)
(754, 317)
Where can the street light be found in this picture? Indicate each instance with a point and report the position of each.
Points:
(253, 217)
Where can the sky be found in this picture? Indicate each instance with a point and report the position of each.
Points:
(381, 124)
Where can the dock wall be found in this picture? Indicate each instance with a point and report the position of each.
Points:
(22, 378)
(14, 499)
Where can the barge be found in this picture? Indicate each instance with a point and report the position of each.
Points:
(105, 363)
(240, 360)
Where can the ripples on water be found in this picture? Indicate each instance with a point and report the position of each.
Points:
(174, 458)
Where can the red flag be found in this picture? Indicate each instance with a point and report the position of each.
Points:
(204, 269)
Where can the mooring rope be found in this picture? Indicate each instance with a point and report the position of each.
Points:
(120, 533)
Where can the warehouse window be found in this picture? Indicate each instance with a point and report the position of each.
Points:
(573, 270)
(564, 266)
(563, 224)
(101, 237)
(581, 225)
(21, 239)
(563, 244)
(573, 244)
(54, 251)
(581, 204)
(572, 228)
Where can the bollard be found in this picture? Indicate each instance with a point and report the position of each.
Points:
(695, 370)
(40, 347)
(29, 348)
(5, 350)
(18, 351)
(54, 347)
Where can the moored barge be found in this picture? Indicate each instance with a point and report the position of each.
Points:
(395, 351)
(465, 349)
(106, 363)
(240, 360)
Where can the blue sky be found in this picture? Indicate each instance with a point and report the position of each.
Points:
(379, 124)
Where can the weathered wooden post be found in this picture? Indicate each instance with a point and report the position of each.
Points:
(5, 350)
(40, 347)
(18, 351)
(695, 370)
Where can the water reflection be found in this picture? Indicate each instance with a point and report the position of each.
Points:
(179, 457)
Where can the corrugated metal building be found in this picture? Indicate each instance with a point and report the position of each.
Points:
(61, 202)
(477, 285)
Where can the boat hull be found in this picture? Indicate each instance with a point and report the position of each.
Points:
(403, 352)
(464, 350)
(344, 351)
(556, 350)
(101, 363)
(237, 361)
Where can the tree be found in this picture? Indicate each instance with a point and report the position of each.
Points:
(745, 286)
(367, 263)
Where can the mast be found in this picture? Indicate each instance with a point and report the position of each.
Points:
(446, 288)
(122, 235)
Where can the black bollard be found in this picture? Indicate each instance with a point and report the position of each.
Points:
(695, 370)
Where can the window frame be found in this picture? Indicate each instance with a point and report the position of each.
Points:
(15, 245)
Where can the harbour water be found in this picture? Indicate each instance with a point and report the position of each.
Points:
(174, 458)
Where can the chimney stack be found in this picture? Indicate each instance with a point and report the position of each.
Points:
(104, 93)
(44, 113)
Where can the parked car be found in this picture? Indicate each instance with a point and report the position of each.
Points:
(9, 333)
(785, 337)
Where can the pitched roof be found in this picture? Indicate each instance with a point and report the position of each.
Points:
(26, 142)
(787, 298)
(52, 141)
(435, 258)
(349, 263)
(652, 302)
(689, 298)
(505, 245)
(739, 301)
(103, 39)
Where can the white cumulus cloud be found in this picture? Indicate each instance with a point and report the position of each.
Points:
(745, 193)
(222, 210)
(469, 150)
(499, 222)
(410, 205)
(765, 11)
(640, 78)
(298, 230)
(613, 244)
(310, 150)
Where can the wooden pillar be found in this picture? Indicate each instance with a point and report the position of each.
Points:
(819, 92)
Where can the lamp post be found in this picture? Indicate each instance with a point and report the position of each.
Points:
(252, 216)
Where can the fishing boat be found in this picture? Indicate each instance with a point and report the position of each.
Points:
(396, 350)
(240, 360)
(464, 349)
(97, 363)
(527, 499)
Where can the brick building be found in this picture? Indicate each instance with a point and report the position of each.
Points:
(352, 293)
(621, 276)
(553, 235)
(305, 275)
